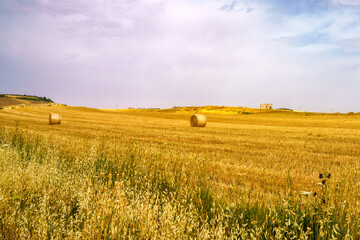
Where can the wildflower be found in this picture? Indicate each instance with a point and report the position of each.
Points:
(305, 193)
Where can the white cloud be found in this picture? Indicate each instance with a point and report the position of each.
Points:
(165, 53)
(346, 2)
(351, 45)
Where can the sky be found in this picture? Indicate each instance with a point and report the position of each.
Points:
(299, 54)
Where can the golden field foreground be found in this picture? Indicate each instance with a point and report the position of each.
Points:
(146, 174)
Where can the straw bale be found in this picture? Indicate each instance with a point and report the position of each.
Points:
(198, 120)
(54, 118)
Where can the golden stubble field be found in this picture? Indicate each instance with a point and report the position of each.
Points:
(256, 157)
(256, 152)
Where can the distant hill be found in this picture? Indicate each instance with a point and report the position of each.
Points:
(10, 100)
(211, 109)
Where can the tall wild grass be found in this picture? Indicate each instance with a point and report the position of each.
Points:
(55, 188)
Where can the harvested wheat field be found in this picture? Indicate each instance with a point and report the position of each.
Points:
(147, 174)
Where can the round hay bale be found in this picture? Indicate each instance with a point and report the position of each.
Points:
(54, 118)
(198, 120)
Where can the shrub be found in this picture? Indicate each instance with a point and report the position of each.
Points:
(37, 99)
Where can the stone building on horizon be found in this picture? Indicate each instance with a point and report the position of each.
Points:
(266, 106)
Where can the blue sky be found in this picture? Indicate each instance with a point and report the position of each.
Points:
(157, 53)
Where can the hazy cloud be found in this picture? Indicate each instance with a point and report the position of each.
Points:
(346, 2)
(166, 53)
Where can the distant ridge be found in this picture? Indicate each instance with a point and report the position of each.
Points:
(12, 100)
(211, 109)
